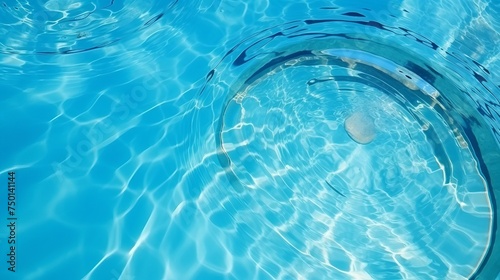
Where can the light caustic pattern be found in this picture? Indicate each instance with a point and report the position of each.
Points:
(302, 138)
(139, 153)
(65, 27)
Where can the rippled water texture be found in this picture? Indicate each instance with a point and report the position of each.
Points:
(262, 140)
(65, 27)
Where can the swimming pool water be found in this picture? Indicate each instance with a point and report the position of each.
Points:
(262, 140)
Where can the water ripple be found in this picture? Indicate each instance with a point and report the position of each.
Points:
(69, 27)
(286, 93)
(209, 139)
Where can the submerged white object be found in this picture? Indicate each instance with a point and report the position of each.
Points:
(360, 127)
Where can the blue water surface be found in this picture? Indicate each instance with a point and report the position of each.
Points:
(215, 139)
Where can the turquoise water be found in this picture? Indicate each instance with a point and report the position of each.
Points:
(262, 140)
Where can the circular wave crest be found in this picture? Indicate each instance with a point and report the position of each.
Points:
(361, 146)
(66, 27)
